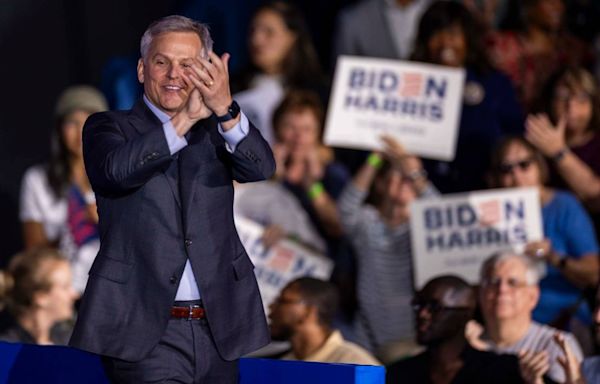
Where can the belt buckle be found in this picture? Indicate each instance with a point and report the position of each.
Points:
(191, 312)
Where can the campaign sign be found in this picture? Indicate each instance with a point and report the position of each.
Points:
(418, 104)
(454, 234)
(280, 264)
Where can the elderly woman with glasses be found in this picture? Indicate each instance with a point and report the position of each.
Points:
(570, 247)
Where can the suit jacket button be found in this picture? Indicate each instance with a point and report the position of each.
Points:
(188, 242)
(173, 279)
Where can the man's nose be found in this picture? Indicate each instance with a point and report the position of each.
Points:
(174, 72)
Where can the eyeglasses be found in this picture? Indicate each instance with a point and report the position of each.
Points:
(523, 165)
(496, 282)
(434, 306)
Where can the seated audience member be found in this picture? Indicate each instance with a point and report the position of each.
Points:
(442, 309)
(305, 166)
(374, 211)
(38, 291)
(570, 249)
(58, 206)
(508, 294)
(449, 35)
(303, 315)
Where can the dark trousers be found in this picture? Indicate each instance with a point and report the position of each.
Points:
(185, 354)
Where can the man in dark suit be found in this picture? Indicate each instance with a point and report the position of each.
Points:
(172, 294)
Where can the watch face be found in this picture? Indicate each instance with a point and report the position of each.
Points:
(234, 109)
(232, 112)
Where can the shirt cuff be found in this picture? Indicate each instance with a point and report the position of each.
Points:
(175, 142)
(236, 134)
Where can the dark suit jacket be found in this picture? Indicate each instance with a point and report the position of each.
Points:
(151, 221)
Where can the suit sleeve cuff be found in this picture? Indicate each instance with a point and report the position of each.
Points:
(175, 142)
(236, 134)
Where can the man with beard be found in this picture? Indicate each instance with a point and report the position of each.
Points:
(303, 315)
(442, 309)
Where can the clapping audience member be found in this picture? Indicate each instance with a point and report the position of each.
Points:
(37, 288)
(374, 211)
(570, 247)
(58, 207)
(303, 315)
(448, 35)
(442, 309)
(567, 134)
(305, 166)
(282, 58)
(508, 293)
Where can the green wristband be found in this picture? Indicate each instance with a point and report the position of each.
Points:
(375, 161)
(316, 190)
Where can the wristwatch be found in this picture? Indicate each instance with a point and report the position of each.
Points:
(232, 112)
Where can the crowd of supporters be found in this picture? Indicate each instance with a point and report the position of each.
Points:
(530, 117)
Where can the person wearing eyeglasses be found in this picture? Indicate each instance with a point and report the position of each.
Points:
(569, 249)
(303, 314)
(442, 309)
(508, 293)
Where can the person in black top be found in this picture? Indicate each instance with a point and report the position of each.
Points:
(442, 309)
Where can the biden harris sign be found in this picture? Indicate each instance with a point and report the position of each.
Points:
(418, 104)
(456, 233)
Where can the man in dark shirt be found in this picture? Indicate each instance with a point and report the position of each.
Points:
(442, 309)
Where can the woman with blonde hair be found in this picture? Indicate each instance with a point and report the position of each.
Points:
(37, 291)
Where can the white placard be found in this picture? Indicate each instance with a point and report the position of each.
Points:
(419, 104)
(454, 234)
(282, 263)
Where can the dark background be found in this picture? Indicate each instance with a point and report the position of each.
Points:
(47, 45)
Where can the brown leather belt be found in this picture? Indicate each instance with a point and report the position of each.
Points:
(189, 312)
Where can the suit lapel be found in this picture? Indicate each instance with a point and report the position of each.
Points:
(190, 163)
(143, 120)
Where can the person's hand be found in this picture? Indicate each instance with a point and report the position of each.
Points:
(473, 332)
(314, 169)
(544, 136)
(568, 361)
(211, 79)
(396, 154)
(272, 234)
(281, 154)
(533, 366)
(194, 108)
(540, 250)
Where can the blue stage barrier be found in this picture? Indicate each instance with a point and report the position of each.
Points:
(24, 363)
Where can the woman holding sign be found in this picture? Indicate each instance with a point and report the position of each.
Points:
(570, 249)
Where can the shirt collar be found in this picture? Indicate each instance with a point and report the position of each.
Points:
(162, 116)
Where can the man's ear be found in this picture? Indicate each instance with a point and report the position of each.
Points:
(140, 70)
(534, 296)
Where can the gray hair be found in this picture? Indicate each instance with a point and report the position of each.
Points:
(533, 269)
(176, 23)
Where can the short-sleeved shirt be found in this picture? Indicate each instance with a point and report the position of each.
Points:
(571, 232)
